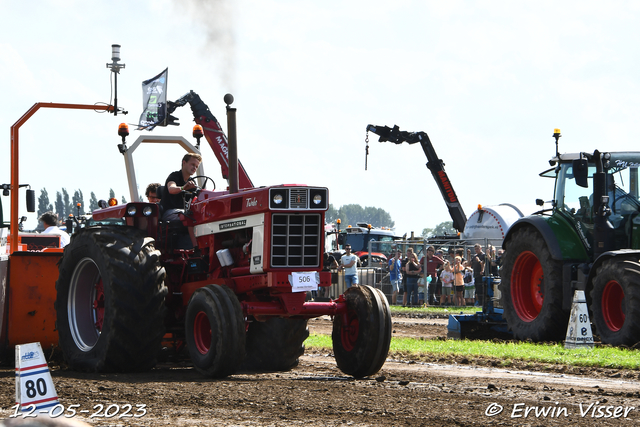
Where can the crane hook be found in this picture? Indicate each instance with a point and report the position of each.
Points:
(366, 150)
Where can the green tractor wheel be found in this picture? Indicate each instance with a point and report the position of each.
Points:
(531, 288)
(615, 302)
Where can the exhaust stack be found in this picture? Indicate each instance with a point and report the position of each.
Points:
(233, 144)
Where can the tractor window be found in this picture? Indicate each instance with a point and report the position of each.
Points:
(385, 247)
(356, 241)
(623, 190)
(572, 199)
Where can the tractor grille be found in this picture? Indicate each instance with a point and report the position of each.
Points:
(295, 240)
(298, 198)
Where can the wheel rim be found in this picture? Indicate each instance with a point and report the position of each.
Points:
(613, 307)
(85, 304)
(349, 331)
(527, 286)
(202, 332)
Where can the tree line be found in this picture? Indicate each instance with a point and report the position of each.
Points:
(350, 214)
(444, 228)
(66, 204)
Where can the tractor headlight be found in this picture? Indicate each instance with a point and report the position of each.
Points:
(318, 197)
(279, 198)
(147, 211)
(131, 210)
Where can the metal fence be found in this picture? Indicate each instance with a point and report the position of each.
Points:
(373, 277)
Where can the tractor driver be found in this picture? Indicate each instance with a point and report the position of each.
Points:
(173, 203)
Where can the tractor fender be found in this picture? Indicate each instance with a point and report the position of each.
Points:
(561, 238)
(542, 227)
(630, 254)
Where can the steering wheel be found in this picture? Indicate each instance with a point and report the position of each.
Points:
(206, 178)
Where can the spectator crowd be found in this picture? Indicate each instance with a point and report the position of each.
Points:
(451, 279)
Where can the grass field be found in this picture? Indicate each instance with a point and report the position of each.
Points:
(603, 357)
(432, 311)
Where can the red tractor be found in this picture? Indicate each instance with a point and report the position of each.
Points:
(126, 291)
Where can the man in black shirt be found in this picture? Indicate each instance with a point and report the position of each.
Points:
(173, 203)
(328, 263)
(477, 263)
(177, 182)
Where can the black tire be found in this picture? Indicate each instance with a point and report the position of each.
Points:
(361, 336)
(275, 345)
(110, 301)
(531, 288)
(215, 331)
(615, 302)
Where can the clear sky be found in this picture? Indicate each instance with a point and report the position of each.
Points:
(488, 81)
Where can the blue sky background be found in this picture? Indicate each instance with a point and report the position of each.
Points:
(488, 81)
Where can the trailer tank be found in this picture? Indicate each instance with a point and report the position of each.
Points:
(492, 222)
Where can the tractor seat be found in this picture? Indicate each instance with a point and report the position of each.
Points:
(173, 233)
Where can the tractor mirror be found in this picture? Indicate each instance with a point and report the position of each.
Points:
(581, 172)
(69, 223)
(31, 201)
(341, 239)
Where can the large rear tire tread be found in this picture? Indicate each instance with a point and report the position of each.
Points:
(276, 344)
(134, 293)
(618, 323)
(550, 324)
(362, 337)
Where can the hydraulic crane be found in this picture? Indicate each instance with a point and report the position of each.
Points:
(434, 164)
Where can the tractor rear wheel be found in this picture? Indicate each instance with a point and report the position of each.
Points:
(275, 345)
(361, 336)
(110, 300)
(615, 302)
(215, 331)
(531, 288)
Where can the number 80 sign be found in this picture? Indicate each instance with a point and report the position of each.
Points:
(34, 385)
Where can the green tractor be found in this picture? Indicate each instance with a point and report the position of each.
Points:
(589, 240)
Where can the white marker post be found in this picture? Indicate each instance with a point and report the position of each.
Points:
(34, 385)
(579, 333)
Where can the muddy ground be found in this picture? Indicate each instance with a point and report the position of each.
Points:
(453, 391)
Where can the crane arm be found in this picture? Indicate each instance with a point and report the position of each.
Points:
(434, 164)
(212, 131)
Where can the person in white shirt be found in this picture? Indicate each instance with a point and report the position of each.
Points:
(50, 221)
(348, 263)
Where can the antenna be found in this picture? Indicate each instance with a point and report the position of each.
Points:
(115, 69)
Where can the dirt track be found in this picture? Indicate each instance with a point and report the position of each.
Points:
(448, 392)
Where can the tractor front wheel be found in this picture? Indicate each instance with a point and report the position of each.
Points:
(215, 331)
(362, 335)
(531, 289)
(110, 300)
(615, 302)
